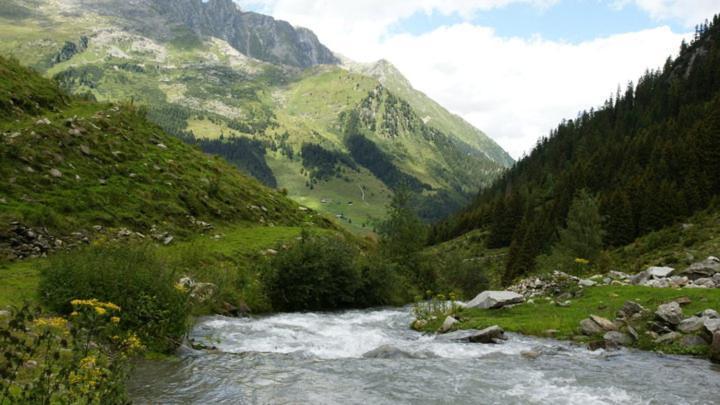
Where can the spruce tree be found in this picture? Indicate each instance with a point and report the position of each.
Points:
(582, 236)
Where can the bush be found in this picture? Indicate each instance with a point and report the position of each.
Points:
(53, 361)
(317, 273)
(132, 277)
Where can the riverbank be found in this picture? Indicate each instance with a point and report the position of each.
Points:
(543, 317)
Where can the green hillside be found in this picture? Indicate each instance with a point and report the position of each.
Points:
(200, 87)
(69, 165)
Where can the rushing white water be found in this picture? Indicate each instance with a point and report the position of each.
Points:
(318, 358)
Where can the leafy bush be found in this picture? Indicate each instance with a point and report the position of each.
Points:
(134, 278)
(317, 273)
(50, 360)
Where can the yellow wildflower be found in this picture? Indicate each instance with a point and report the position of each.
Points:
(180, 287)
(58, 323)
(582, 261)
(74, 313)
(100, 310)
(88, 362)
(115, 319)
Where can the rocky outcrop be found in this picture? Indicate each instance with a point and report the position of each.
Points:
(69, 50)
(255, 35)
(704, 274)
(495, 299)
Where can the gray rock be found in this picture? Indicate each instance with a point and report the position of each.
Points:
(671, 313)
(590, 328)
(495, 299)
(56, 173)
(678, 281)
(631, 308)
(716, 280)
(448, 324)
(392, 352)
(587, 283)
(658, 283)
(168, 240)
(690, 325)
(618, 338)
(709, 313)
(704, 269)
(530, 354)
(659, 272)
(715, 348)
(604, 323)
(705, 282)
(711, 325)
(487, 335)
(4, 314)
(668, 338)
(692, 341)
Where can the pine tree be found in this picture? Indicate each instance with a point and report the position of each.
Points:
(583, 234)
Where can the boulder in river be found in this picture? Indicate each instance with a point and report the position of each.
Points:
(392, 352)
(448, 324)
(670, 313)
(495, 299)
(487, 335)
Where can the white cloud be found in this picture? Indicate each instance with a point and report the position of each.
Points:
(687, 12)
(518, 89)
(514, 89)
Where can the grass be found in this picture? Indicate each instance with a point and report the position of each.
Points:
(19, 282)
(537, 318)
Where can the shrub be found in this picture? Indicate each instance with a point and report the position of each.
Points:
(50, 360)
(382, 283)
(134, 278)
(317, 273)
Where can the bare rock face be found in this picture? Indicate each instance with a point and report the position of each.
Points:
(670, 313)
(255, 35)
(704, 269)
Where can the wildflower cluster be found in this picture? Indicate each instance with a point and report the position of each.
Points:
(434, 307)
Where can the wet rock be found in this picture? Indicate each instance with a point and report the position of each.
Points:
(604, 323)
(670, 313)
(668, 338)
(692, 341)
(487, 335)
(419, 324)
(495, 299)
(530, 354)
(448, 324)
(691, 325)
(590, 328)
(392, 352)
(618, 338)
(715, 348)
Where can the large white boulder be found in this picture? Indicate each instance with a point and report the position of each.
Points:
(495, 299)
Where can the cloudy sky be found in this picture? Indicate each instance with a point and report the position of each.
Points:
(513, 68)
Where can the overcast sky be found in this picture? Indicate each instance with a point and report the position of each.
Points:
(513, 68)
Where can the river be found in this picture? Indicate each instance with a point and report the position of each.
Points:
(317, 358)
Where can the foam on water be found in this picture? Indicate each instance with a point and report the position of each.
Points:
(318, 358)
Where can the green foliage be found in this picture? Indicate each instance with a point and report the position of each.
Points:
(50, 360)
(434, 309)
(317, 273)
(581, 240)
(132, 277)
(650, 155)
(22, 91)
(402, 234)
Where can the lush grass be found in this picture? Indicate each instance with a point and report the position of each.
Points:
(537, 318)
(19, 282)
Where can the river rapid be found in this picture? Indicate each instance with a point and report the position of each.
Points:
(321, 358)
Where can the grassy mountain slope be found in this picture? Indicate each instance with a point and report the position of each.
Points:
(651, 156)
(68, 164)
(199, 87)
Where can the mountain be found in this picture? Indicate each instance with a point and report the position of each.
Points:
(70, 167)
(650, 156)
(268, 97)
